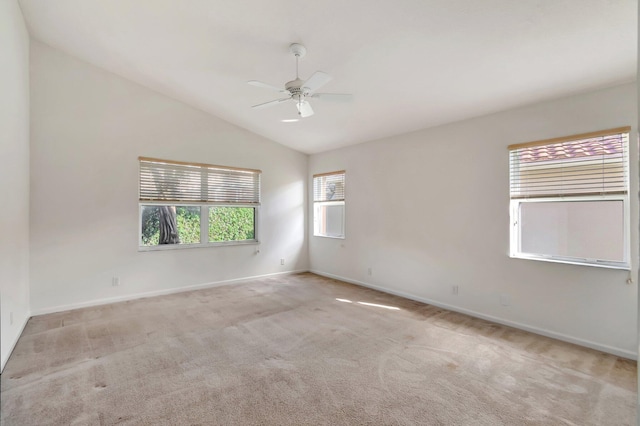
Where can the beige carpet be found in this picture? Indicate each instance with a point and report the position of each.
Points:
(285, 351)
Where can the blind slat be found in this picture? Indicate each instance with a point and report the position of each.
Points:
(593, 165)
(329, 187)
(163, 180)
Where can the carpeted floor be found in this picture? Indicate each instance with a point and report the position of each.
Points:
(301, 350)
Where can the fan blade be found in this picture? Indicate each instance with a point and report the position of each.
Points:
(304, 109)
(265, 86)
(340, 97)
(270, 103)
(316, 81)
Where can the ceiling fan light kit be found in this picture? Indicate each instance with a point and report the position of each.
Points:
(299, 90)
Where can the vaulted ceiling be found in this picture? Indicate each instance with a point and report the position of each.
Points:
(410, 64)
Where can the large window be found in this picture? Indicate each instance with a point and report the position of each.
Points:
(328, 204)
(570, 199)
(191, 204)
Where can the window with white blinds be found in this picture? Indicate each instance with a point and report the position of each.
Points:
(329, 204)
(591, 164)
(570, 199)
(171, 181)
(194, 205)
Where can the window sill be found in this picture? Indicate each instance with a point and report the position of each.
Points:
(596, 264)
(192, 246)
(342, 237)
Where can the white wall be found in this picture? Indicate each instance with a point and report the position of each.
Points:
(88, 129)
(430, 209)
(14, 175)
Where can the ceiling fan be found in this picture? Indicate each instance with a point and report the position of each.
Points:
(300, 90)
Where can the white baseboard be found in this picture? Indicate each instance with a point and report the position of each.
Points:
(4, 360)
(548, 333)
(107, 300)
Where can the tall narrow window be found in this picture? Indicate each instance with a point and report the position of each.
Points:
(570, 199)
(328, 204)
(196, 204)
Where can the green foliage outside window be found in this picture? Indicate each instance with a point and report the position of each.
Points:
(188, 219)
(150, 226)
(231, 224)
(225, 224)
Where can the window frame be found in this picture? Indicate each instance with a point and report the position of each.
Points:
(204, 206)
(323, 202)
(204, 228)
(344, 215)
(515, 237)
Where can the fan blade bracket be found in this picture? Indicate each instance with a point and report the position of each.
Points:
(316, 81)
(340, 97)
(270, 103)
(257, 83)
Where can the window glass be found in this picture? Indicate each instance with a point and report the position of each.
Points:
(329, 219)
(158, 221)
(329, 205)
(231, 224)
(574, 229)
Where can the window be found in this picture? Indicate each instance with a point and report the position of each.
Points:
(328, 204)
(192, 205)
(570, 199)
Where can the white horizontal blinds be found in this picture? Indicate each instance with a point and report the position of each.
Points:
(172, 181)
(590, 164)
(233, 186)
(169, 182)
(329, 186)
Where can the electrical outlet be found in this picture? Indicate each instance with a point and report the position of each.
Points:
(454, 290)
(504, 299)
(369, 271)
(282, 261)
(115, 281)
(10, 318)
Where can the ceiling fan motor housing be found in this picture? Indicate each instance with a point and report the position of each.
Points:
(294, 87)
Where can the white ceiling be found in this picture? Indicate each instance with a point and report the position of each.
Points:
(410, 64)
